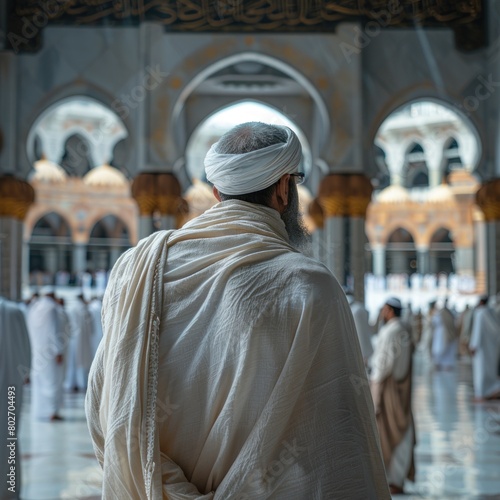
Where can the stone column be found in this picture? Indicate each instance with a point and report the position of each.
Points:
(144, 193)
(169, 201)
(15, 198)
(344, 199)
(318, 242)
(464, 259)
(423, 260)
(79, 258)
(378, 256)
(115, 255)
(488, 199)
(480, 254)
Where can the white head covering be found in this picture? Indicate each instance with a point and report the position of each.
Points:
(47, 290)
(394, 302)
(244, 173)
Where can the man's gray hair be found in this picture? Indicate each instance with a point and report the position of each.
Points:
(250, 136)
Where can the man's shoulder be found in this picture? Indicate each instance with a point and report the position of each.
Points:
(298, 269)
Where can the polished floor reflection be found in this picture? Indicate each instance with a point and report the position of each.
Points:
(457, 454)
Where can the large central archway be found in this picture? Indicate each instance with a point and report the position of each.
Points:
(210, 130)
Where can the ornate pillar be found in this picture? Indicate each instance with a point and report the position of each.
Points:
(480, 252)
(378, 256)
(79, 258)
(16, 196)
(488, 199)
(160, 194)
(318, 243)
(344, 199)
(423, 260)
(143, 192)
(169, 202)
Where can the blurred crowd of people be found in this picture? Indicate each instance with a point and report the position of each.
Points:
(64, 339)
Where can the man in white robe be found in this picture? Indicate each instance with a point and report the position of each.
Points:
(229, 366)
(363, 327)
(485, 349)
(47, 351)
(390, 380)
(15, 361)
(444, 338)
(80, 353)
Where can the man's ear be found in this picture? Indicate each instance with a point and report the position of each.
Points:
(216, 193)
(282, 189)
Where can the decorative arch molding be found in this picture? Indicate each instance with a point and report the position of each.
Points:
(36, 214)
(215, 64)
(98, 217)
(427, 92)
(392, 228)
(73, 90)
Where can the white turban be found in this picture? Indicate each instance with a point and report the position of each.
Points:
(244, 173)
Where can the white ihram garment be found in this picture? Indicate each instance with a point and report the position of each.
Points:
(261, 389)
(485, 341)
(47, 341)
(15, 360)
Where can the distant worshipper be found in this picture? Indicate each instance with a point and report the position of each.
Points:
(229, 366)
(444, 337)
(47, 354)
(391, 384)
(80, 352)
(15, 361)
(362, 323)
(465, 329)
(485, 349)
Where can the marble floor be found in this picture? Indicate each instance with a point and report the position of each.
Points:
(457, 455)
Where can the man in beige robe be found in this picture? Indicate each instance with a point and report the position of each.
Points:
(229, 366)
(390, 380)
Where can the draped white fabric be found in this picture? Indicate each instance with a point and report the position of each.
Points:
(252, 359)
(47, 341)
(250, 172)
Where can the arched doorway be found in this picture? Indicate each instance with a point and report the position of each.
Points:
(210, 130)
(401, 254)
(416, 173)
(109, 238)
(442, 252)
(50, 251)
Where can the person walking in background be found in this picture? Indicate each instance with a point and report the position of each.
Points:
(80, 346)
(47, 349)
(391, 385)
(15, 362)
(465, 329)
(444, 337)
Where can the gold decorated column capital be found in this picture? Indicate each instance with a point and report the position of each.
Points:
(159, 192)
(144, 193)
(345, 195)
(16, 196)
(488, 199)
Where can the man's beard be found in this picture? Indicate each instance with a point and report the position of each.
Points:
(294, 225)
